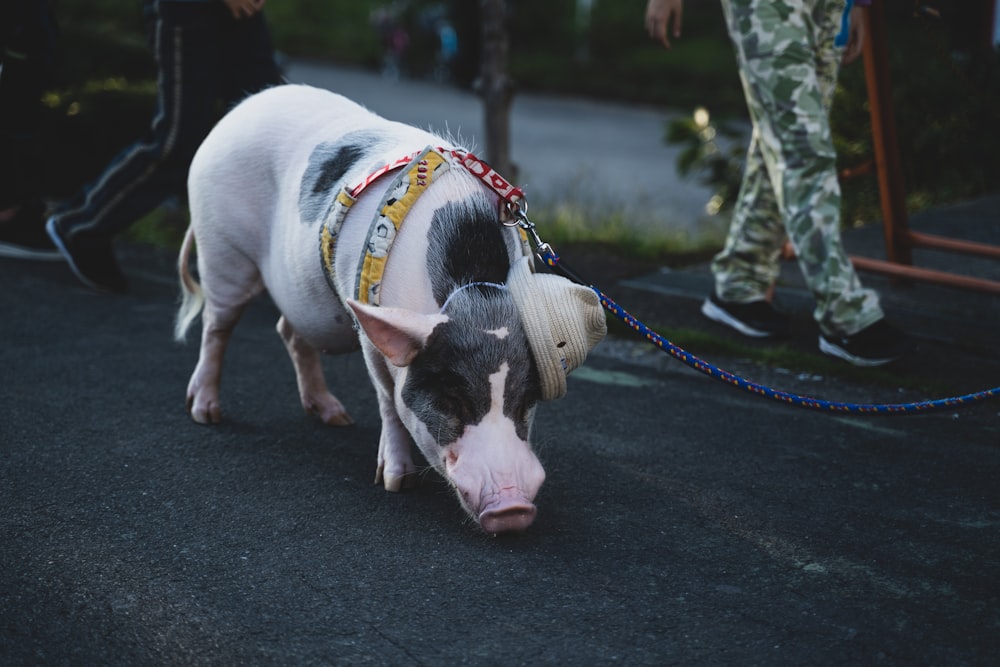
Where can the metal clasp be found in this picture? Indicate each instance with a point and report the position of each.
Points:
(517, 212)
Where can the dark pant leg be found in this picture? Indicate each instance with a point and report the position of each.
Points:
(247, 63)
(189, 47)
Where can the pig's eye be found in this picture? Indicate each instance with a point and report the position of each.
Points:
(456, 399)
(444, 399)
(453, 399)
(445, 421)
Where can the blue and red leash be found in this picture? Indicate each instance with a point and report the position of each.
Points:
(552, 260)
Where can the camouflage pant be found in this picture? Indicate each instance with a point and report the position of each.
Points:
(788, 65)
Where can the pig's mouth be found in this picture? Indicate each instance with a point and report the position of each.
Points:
(516, 517)
(506, 510)
(505, 515)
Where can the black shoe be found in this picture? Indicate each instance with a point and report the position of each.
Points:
(757, 319)
(24, 237)
(875, 345)
(93, 261)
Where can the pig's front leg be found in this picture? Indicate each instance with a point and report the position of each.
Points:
(395, 460)
(316, 397)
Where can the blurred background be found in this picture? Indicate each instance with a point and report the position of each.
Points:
(944, 66)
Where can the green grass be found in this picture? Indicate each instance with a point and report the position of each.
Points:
(164, 228)
(566, 224)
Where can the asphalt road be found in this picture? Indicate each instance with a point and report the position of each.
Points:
(681, 523)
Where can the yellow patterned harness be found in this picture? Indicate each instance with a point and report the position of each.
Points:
(412, 181)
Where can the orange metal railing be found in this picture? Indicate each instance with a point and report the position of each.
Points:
(899, 239)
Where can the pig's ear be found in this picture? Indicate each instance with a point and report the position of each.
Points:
(398, 333)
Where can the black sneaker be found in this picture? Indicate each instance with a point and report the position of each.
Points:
(93, 261)
(24, 237)
(875, 345)
(757, 319)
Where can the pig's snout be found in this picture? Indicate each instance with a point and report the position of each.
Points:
(507, 516)
(496, 483)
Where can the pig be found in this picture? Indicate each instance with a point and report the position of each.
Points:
(444, 340)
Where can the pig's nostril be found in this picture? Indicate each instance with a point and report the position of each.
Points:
(508, 518)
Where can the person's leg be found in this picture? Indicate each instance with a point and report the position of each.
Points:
(248, 64)
(748, 264)
(878, 342)
(778, 46)
(849, 307)
(147, 172)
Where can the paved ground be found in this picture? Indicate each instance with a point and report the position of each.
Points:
(682, 522)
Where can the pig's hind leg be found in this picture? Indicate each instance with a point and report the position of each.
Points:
(316, 397)
(203, 388)
(226, 296)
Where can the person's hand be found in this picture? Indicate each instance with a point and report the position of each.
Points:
(661, 15)
(855, 35)
(244, 8)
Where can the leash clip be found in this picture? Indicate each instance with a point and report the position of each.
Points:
(517, 215)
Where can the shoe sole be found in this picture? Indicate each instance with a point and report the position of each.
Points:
(716, 314)
(53, 232)
(834, 350)
(9, 251)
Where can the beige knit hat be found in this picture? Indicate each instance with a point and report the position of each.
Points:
(563, 320)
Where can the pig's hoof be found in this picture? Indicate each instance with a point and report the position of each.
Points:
(204, 413)
(207, 416)
(330, 411)
(340, 418)
(393, 481)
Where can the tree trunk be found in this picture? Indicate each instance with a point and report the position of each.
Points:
(495, 87)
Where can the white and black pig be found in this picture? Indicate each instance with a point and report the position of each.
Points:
(291, 194)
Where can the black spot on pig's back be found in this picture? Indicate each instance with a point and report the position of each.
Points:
(328, 163)
(466, 244)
